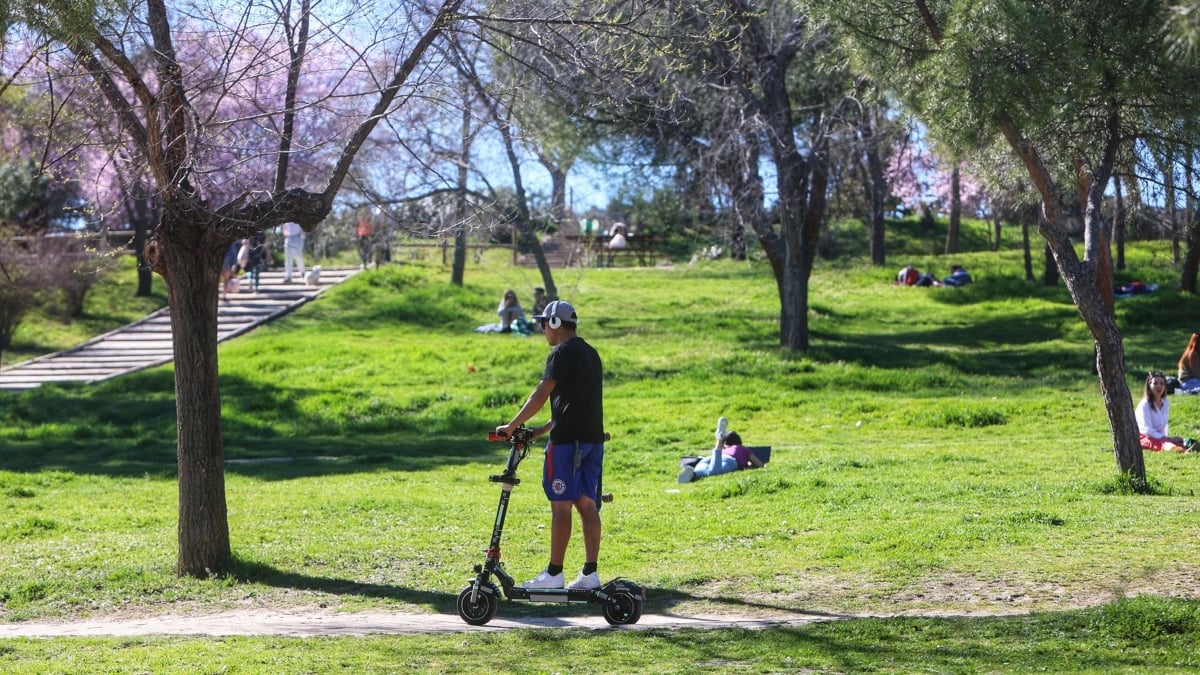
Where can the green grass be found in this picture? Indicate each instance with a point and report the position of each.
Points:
(1148, 635)
(937, 451)
(108, 306)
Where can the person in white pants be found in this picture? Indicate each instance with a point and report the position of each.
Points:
(293, 250)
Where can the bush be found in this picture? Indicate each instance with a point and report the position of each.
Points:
(21, 285)
(54, 272)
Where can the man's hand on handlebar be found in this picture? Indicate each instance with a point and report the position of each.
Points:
(506, 430)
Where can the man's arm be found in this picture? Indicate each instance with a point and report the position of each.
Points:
(533, 404)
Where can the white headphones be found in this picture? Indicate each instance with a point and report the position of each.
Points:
(553, 320)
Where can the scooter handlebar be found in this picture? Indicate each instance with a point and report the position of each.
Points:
(519, 435)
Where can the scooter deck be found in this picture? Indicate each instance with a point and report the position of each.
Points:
(552, 595)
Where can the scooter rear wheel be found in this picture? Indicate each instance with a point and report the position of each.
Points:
(482, 609)
(622, 607)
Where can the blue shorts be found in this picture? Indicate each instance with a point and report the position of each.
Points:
(572, 470)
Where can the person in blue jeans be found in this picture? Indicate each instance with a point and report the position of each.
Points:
(729, 455)
(958, 276)
(573, 382)
(259, 255)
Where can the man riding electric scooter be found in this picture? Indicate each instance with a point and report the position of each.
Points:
(573, 383)
(571, 478)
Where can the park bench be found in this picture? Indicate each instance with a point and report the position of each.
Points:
(639, 249)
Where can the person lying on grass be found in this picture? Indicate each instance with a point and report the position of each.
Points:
(733, 456)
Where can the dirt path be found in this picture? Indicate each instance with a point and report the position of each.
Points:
(324, 623)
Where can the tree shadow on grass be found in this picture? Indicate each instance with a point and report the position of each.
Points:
(658, 600)
(259, 573)
(917, 644)
(126, 428)
(999, 347)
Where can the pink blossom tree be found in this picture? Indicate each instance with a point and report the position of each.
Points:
(209, 103)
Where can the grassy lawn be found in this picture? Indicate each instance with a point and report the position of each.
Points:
(936, 452)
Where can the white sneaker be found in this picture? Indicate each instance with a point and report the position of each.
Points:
(545, 580)
(687, 474)
(722, 425)
(585, 582)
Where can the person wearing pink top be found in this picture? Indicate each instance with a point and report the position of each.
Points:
(729, 455)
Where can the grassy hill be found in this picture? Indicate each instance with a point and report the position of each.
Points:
(938, 451)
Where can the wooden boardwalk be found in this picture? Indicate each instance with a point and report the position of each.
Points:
(147, 343)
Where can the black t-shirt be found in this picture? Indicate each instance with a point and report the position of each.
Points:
(577, 402)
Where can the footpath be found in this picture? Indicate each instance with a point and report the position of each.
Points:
(147, 343)
(324, 623)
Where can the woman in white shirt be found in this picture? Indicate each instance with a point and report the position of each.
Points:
(1152, 415)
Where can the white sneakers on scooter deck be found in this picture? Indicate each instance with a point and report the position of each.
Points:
(585, 582)
(545, 580)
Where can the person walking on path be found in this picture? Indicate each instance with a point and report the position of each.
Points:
(365, 232)
(573, 382)
(257, 260)
(229, 269)
(293, 251)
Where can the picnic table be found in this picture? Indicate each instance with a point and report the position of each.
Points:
(639, 248)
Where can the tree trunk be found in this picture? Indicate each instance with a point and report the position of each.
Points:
(142, 226)
(1090, 283)
(1086, 281)
(802, 182)
(192, 291)
(141, 211)
(558, 189)
(1167, 168)
(1119, 224)
(459, 267)
(1049, 269)
(1028, 252)
(955, 211)
(802, 185)
(1191, 260)
(539, 257)
(739, 172)
(878, 186)
(1086, 289)
(458, 270)
(794, 315)
(559, 212)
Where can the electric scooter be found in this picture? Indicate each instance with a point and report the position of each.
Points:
(620, 599)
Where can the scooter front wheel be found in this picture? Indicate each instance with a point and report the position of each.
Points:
(622, 607)
(482, 609)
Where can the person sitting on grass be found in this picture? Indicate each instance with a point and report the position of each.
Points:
(1189, 367)
(1152, 418)
(729, 455)
(510, 312)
